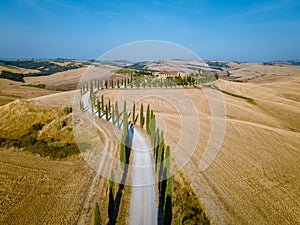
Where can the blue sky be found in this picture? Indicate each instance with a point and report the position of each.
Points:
(232, 30)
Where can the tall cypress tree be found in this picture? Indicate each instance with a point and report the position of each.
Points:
(168, 211)
(169, 189)
(112, 83)
(98, 108)
(117, 114)
(97, 217)
(123, 151)
(133, 113)
(124, 109)
(148, 119)
(106, 112)
(125, 123)
(113, 114)
(102, 103)
(111, 205)
(92, 103)
(109, 106)
(142, 116)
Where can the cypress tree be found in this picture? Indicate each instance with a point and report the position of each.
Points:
(169, 188)
(112, 83)
(124, 109)
(123, 151)
(98, 108)
(148, 119)
(106, 112)
(160, 151)
(117, 114)
(92, 104)
(142, 116)
(91, 87)
(111, 205)
(113, 114)
(157, 142)
(97, 217)
(133, 113)
(109, 106)
(125, 123)
(102, 103)
(168, 211)
(144, 83)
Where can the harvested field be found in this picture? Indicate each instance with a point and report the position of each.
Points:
(35, 190)
(12, 90)
(254, 178)
(68, 80)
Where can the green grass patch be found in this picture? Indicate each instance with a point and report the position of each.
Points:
(124, 71)
(52, 148)
(37, 129)
(6, 66)
(249, 100)
(187, 208)
(35, 85)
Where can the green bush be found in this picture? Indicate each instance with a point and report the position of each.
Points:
(67, 110)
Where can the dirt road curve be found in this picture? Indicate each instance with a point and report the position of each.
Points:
(143, 208)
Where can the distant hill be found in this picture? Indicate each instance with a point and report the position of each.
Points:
(163, 65)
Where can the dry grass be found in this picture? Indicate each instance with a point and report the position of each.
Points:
(69, 80)
(63, 192)
(248, 71)
(186, 203)
(254, 178)
(15, 69)
(35, 190)
(12, 90)
(19, 116)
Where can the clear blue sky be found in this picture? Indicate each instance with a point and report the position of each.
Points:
(233, 30)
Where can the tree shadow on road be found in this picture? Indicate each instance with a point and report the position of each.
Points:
(128, 145)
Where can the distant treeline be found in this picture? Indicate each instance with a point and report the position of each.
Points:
(12, 76)
(45, 68)
(217, 65)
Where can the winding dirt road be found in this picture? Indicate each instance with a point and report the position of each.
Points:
(143, 207)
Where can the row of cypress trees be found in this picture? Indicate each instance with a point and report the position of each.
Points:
(146, 82)
(161, 151)
(163, 167)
